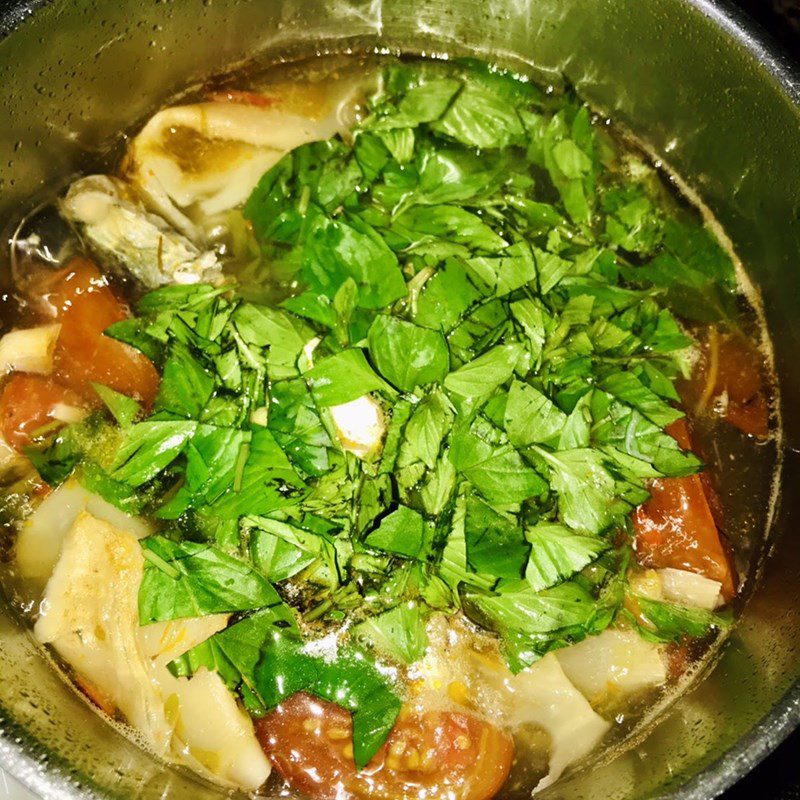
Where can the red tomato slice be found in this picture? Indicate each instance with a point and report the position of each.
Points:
(435, 754)
(80, 298)
(26, 404)
(675, 527)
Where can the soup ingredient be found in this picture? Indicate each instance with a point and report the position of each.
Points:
(432, 754)
(675, 528)
(41, 535)
(729, 380)
(460, 390)
(80, 299)
(29, 404)
(109, 215)
(690, 589)
(29, 350)
(194, 161)
(90, 617)
(547, 699)
(360, 425)
(614, 663)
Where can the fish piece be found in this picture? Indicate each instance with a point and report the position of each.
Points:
(90, 617)
(613, 662)
(192, 162)
(111, 217)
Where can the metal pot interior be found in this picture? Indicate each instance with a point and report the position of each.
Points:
(685, 77)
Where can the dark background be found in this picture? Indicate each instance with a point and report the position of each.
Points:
(778, 777)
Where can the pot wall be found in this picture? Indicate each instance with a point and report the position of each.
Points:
(680, 74)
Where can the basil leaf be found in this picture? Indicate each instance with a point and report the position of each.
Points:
(629, 389)
(668, 622)
(402, 532)
(481, 376)
(343, 377)
(495, 543)
(188, 580)
(497, 472)
(587, 497)
(407, 355)
(398, 633)
(557, 553)
(531, 417)
(148, 447)
(124, 409)
(186, 385)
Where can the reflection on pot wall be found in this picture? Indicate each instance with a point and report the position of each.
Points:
(77, 73)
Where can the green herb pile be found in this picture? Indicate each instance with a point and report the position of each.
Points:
(486, 263)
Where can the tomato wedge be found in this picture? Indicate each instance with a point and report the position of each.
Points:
(27, 403)
(730, 367)
(675, 527)
(80, 298)
(437, 754)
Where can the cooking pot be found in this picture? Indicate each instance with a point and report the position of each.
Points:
(691, 78)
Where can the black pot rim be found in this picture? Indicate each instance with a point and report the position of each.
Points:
(784, 718)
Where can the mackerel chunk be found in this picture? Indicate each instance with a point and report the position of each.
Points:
(110, 217)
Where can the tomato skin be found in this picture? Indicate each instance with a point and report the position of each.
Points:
(26, 404)
(80, 298)
(675, 527)
(428, 754)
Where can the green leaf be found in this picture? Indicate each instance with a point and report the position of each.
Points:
(479, 117)
(148, 447)
(495, 543)
(398, 633)
(587, 497)
(407, 355)
(557, 553)
(267, 481)
(481, 376)
(426, 430)
(189, 580)
(571, 160)
(423, 103)
(124, 409)
(445, 297)
(402, 532)
(629, 389)
(353, 682)
(577, 428)
(212, 457)
(497, 472)
(517, 608)
(453, 568)
(668, 622)
(628, 431)
(506, 273)
(235, 652)
(283, 333)
(531, 417)
(297, 427)
(186, 385)
(280, 550)
(335, 251)
(343, 377)
(134, 333)
(451, 223)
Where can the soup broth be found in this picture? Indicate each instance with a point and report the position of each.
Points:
(381, 427)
